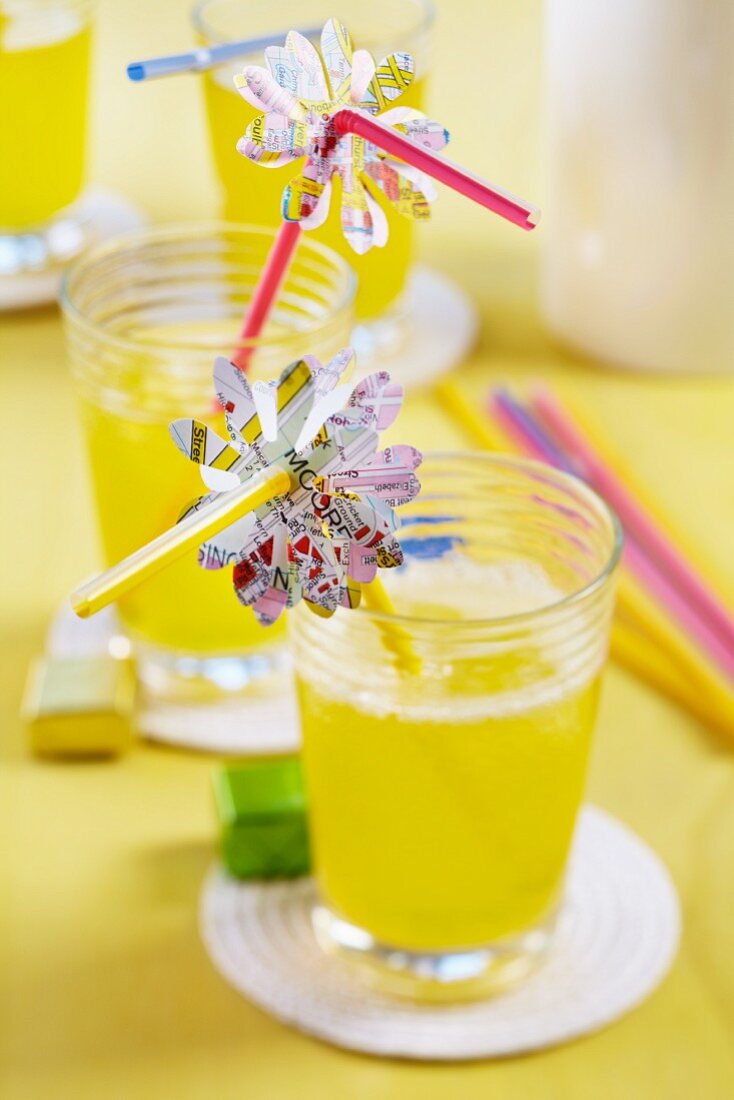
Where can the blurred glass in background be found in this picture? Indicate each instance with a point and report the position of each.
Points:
(146, 315)
(253, 193)
(44, 84)
(44, 92)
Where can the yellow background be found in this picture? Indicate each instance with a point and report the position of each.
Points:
(108, 990)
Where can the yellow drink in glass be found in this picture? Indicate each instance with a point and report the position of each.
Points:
(146, 315)
(479, 784)
(253, 193)
(44, 75)
(443, 801)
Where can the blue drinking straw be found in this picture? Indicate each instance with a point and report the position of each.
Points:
(207, 57)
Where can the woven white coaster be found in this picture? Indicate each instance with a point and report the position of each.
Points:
(616, 939)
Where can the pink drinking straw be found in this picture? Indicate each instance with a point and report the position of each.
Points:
(389, 141)
(266, 292)
(635, 556)
(682, 576)
(349, 121)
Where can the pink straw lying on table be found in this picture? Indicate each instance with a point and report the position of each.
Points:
(670, 560)
(531, 436)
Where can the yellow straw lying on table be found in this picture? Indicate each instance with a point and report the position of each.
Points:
(644, 640)
(664, 656)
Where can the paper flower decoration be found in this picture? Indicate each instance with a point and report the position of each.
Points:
(300, 92)
(336, 526)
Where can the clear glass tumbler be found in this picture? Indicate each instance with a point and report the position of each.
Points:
(146, 314)
(44, 92)
(444, 788)
(253, 193)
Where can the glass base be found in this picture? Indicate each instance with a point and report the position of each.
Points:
(224, 703)
(435, 976)
(428, 333)
(32, 260)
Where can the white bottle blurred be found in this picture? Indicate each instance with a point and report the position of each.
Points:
(639, 216)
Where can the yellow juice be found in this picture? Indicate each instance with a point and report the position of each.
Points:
(443, 805)
(141, 484)
(253, 193)
(44, 71)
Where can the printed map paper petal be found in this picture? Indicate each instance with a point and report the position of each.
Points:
(223, 548)
(272, 603)
(426, 132)
(284, 68)
(262, 92)
(327, 377)
(418, 180)
(393, 76)
(272, 140)
(388, 475)
(325, 536)
(202, 445)
(235, 397)
(336, 50)
(378, 398)
(363, 222)
(300, 93)
(415, 125)
(363, 71)
(294, 399)
(362, 565)
(399, 190)
(310, 70)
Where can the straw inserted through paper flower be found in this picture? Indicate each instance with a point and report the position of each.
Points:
(336, 526)
(299, 93)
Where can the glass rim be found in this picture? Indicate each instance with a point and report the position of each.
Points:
(563, 480)
(192, 230)
(427, 16)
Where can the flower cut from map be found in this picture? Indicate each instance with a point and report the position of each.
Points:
(300, 92)
(336, 526)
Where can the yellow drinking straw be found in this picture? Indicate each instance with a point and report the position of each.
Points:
(394, 637)
(177, 541)
(695, 682)
(473, 422)
(196, 529)
(633, 651)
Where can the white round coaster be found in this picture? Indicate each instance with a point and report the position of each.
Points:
(238, 726)
(32, 263)
(251, 723)
(441, 324)
(616, 939)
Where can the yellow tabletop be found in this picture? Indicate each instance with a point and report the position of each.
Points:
(108, 991)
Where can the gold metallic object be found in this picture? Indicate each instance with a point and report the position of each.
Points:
(79, 706)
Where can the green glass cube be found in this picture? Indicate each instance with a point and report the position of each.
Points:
(261, 806)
